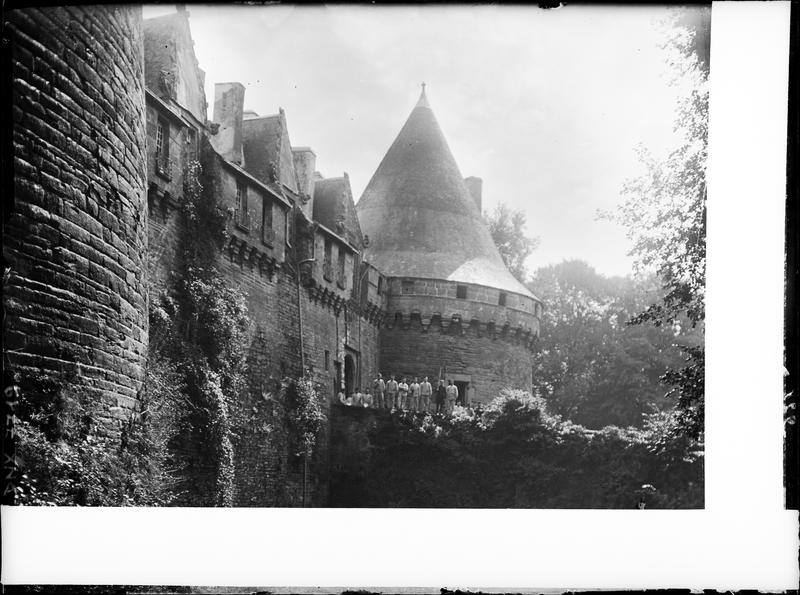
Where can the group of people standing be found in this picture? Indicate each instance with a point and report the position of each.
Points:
(416, 396)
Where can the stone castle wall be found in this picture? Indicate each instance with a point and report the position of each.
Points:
(76, 238)
(96, 219)
(459, 351)
(471, 339)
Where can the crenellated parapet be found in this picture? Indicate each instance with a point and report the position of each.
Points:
(458, 327)
(464, 303)
(372, 313)
(326, 297)
(252, 256)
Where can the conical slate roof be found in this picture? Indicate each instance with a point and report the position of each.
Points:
(420, 217)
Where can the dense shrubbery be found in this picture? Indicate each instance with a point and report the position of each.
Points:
(513, 454)
(63, 460)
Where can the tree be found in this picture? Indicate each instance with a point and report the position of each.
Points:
(664, 211)
(591, 366)
(508, 229)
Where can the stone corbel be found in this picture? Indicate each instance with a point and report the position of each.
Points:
(473, 325)
(241, 251)
(232, 247)
(250, 256)
(425, 321)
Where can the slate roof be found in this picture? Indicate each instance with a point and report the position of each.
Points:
(334, 208)
(419, 215)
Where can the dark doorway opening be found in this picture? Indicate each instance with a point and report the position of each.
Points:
(462, 392)
(337, 382)
(349, 374)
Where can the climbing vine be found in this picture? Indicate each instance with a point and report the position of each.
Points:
(200, 325)
(305, 415)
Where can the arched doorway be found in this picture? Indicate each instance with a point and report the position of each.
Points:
(349, 374)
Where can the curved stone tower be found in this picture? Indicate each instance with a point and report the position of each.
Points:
(76, 236)
(455, 311)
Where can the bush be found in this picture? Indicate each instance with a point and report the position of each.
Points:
(63, 460)
(515, 453)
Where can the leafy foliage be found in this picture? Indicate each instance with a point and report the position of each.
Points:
(63, 458)
(665, 214)
(199, 329)
(515, 453)
(591, 365)
(508, 229)
(305, 415)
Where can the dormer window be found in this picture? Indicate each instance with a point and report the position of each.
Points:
(461, 292)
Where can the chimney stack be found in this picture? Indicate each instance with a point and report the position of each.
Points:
(228, 110)
(475, 187)
(305, 161)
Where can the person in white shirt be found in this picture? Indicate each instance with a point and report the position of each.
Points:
(378, 386)
(356, 397)
(425, 392)
(402, 394)
(391, 393)
(452, 394)
(366, 399)
(413, 395)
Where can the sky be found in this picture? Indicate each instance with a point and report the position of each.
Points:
(546, 106)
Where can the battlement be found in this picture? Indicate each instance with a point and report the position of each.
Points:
(467, 302)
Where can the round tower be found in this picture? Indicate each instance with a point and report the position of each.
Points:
(75, 240)
(454, 309)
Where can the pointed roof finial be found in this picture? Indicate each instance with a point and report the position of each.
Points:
(423, 99)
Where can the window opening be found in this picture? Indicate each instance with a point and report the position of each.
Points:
(267, 233)
(241, 205)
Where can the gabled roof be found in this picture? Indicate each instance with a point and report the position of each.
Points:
(171, 68)
(334, 208)
(267, 150)
(420, 217)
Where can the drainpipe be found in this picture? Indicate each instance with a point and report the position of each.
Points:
(300, 315)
